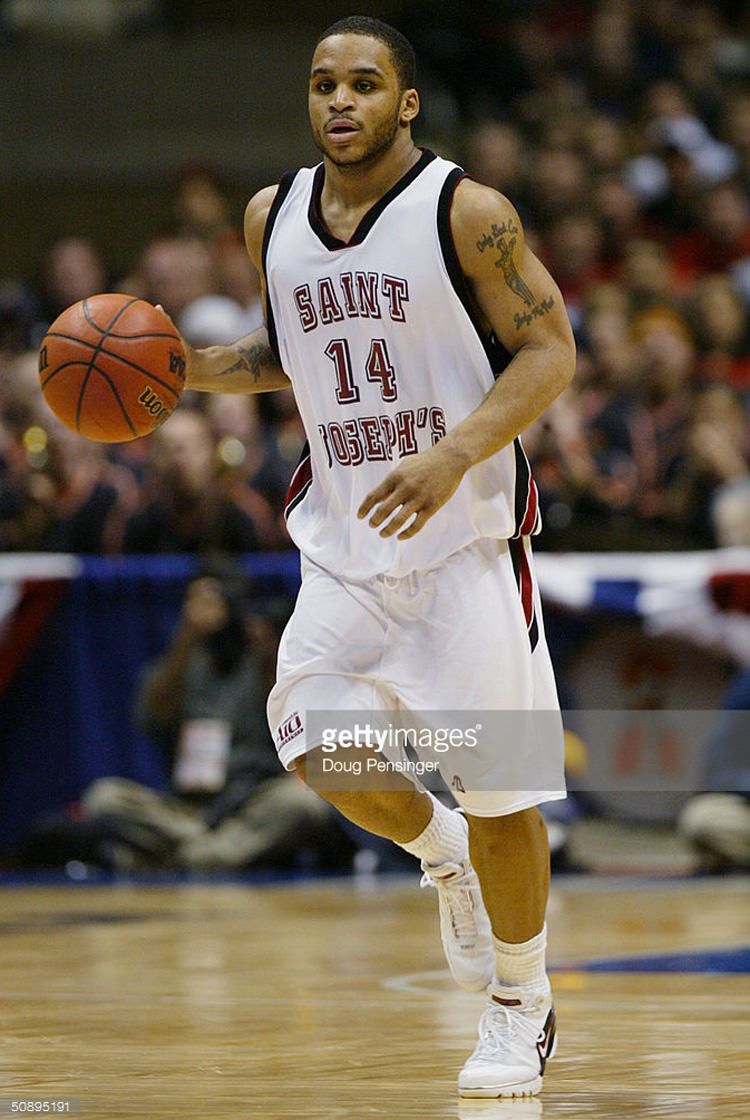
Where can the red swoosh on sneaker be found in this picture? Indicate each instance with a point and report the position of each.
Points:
(546, 1039)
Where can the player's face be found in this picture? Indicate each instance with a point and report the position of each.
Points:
(355, 101)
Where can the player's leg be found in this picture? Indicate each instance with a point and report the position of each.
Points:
(420, 824)
(496, 667)
(330, 662)
(399, 814)
(508, 840)
(510, 854)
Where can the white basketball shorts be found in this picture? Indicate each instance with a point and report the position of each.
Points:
(464, 637)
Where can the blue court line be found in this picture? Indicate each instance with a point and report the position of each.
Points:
(732, 960)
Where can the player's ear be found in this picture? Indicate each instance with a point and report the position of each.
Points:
(409, 106)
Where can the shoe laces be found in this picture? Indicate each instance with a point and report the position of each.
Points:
(456, 892)
(500, 1025)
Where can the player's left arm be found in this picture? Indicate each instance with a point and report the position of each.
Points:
(515, 297)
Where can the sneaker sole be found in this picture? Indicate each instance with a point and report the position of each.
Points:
(496, 1092)
(528, 1089)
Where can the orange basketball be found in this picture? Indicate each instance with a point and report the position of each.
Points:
(112, 367)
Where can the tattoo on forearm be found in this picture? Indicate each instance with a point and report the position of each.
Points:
(538, 309)
(252, 358)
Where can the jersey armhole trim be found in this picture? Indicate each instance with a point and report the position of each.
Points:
(285, 185)
(497, 355)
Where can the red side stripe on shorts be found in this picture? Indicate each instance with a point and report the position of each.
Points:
(525, 586)
(298, 487)
(532, 505)
(524, 579)
(526, 497)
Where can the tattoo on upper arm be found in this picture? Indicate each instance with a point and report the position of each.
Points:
(495, 239)
(512, 276)
(538, 309)
(252, 358)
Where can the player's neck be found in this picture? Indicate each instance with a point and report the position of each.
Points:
(352, 189)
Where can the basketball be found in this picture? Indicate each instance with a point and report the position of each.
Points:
(112, 367)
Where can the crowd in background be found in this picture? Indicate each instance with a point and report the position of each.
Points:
(621, 132)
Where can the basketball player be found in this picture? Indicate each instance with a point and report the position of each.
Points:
(421, 336)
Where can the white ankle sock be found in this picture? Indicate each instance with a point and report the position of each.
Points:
(443, 840)
(522, 965)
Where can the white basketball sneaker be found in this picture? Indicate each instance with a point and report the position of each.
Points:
(464, 923)
(516, 1037)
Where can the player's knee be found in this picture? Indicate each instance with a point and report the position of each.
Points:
(501, 830)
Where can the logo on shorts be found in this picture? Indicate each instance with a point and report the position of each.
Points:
(289, 729)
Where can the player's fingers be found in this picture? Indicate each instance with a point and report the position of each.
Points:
(377, 495)
(385, 508)
(419, 521)
(399, 519)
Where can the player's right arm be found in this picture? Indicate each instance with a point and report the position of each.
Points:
(249, 365)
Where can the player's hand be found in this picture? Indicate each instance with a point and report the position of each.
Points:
(413, 491)
(190, 352)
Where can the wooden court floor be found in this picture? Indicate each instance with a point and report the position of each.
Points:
(331, 1000)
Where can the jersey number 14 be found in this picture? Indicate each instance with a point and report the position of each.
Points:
(378, 369)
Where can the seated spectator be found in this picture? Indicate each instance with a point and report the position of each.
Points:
(73, 269)
(187, 507)
(255, 476)
(229, 804)
(238, 278)
(574, 247)
(495, 156)
(720, 240)
(174, 271)
(201, 206)
(59, 492)
(646, 274)
(722, 328)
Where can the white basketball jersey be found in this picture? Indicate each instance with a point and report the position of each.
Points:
(378, 340)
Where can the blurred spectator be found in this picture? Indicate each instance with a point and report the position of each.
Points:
(229, 804)
(735, 130)
(59, 493)
(73, 269)
(201, 206)
(611, 56)
(604, 145)
(722, 327)
(721, 240)
(238, 278)
(189, 509)
(257, 477)
(574, 246)
(646, 275)
(495, 156)
(175, 271)
(558, 183)
(618, 211)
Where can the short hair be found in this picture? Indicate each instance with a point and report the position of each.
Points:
(401, 50)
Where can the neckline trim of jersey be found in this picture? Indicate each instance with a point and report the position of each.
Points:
(321, 230)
